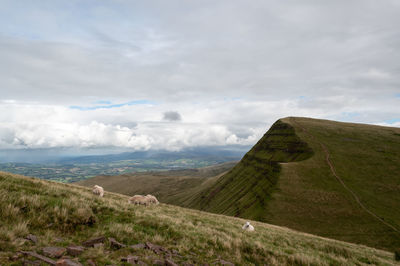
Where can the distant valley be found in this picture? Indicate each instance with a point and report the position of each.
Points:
(75, 169)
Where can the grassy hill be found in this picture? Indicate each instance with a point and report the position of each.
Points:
(167, 186)
(52, 210)
(338, 180)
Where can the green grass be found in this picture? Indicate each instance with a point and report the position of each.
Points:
(246, 190)
(285, 180)
(50, 210)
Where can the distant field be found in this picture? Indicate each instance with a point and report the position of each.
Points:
(51, 210)
(166, 185)
(75, 171)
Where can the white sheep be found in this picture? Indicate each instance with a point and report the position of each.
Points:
(152, 199)
(98, 190)
(248, 227)
(139, 200)
(143, 200)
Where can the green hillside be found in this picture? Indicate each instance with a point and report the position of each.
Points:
(246, 189)
(167, 186)
(287, 179)
(61, 215)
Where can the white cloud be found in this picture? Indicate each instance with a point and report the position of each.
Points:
(228, 68)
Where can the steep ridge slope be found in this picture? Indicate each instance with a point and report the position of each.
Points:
(342, 181)
(50, 210)
(350, 188)
(247, 188)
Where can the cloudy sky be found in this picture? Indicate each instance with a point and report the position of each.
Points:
(173, 74)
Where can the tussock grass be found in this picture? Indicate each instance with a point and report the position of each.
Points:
(50, 210)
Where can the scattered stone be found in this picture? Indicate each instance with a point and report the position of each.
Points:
(138, 246)
(58, 240)
(75, 250)
(67, 262)
(170, 262)
(90, 263)
(93, 241)
(32, 238)
(223, 262)
(158, 262)
(155, 248)
(54, 252)
(131, 259)
(115, 244)
(141, 263)
(31, 263)
(40, 257)
(168, 255)
(97, 245)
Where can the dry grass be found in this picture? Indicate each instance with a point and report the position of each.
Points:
(52, 210)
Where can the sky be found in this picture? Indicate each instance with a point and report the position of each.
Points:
(148, 75)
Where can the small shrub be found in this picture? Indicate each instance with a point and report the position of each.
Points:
(397, 254)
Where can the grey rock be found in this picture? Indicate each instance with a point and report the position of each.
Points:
(93, 241)
(90, 263)
(155, 248)
(224, 262)
(131, 259)
(75, 250)
(30, 262)
(170, 262)
(67, 262)
(53, 252)
(40, 257)
(138, 246)
(32, 238)
(115, 244)
(158, 262)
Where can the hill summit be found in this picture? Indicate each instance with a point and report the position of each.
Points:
(334, 179)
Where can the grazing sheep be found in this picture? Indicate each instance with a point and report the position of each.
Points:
(98, 190)
(139, 200)
(152, 199)
(248, 227)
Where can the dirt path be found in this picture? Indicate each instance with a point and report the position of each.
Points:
(333, 170)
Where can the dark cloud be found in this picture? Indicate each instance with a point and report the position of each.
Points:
(172, 116)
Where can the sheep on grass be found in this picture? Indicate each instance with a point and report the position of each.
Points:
(98, 190)
(143, 200)
(248, 227)
(152, 199)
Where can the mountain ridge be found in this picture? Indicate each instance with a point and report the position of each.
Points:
(294, 185)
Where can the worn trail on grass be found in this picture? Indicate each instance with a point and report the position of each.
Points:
(333, 170)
